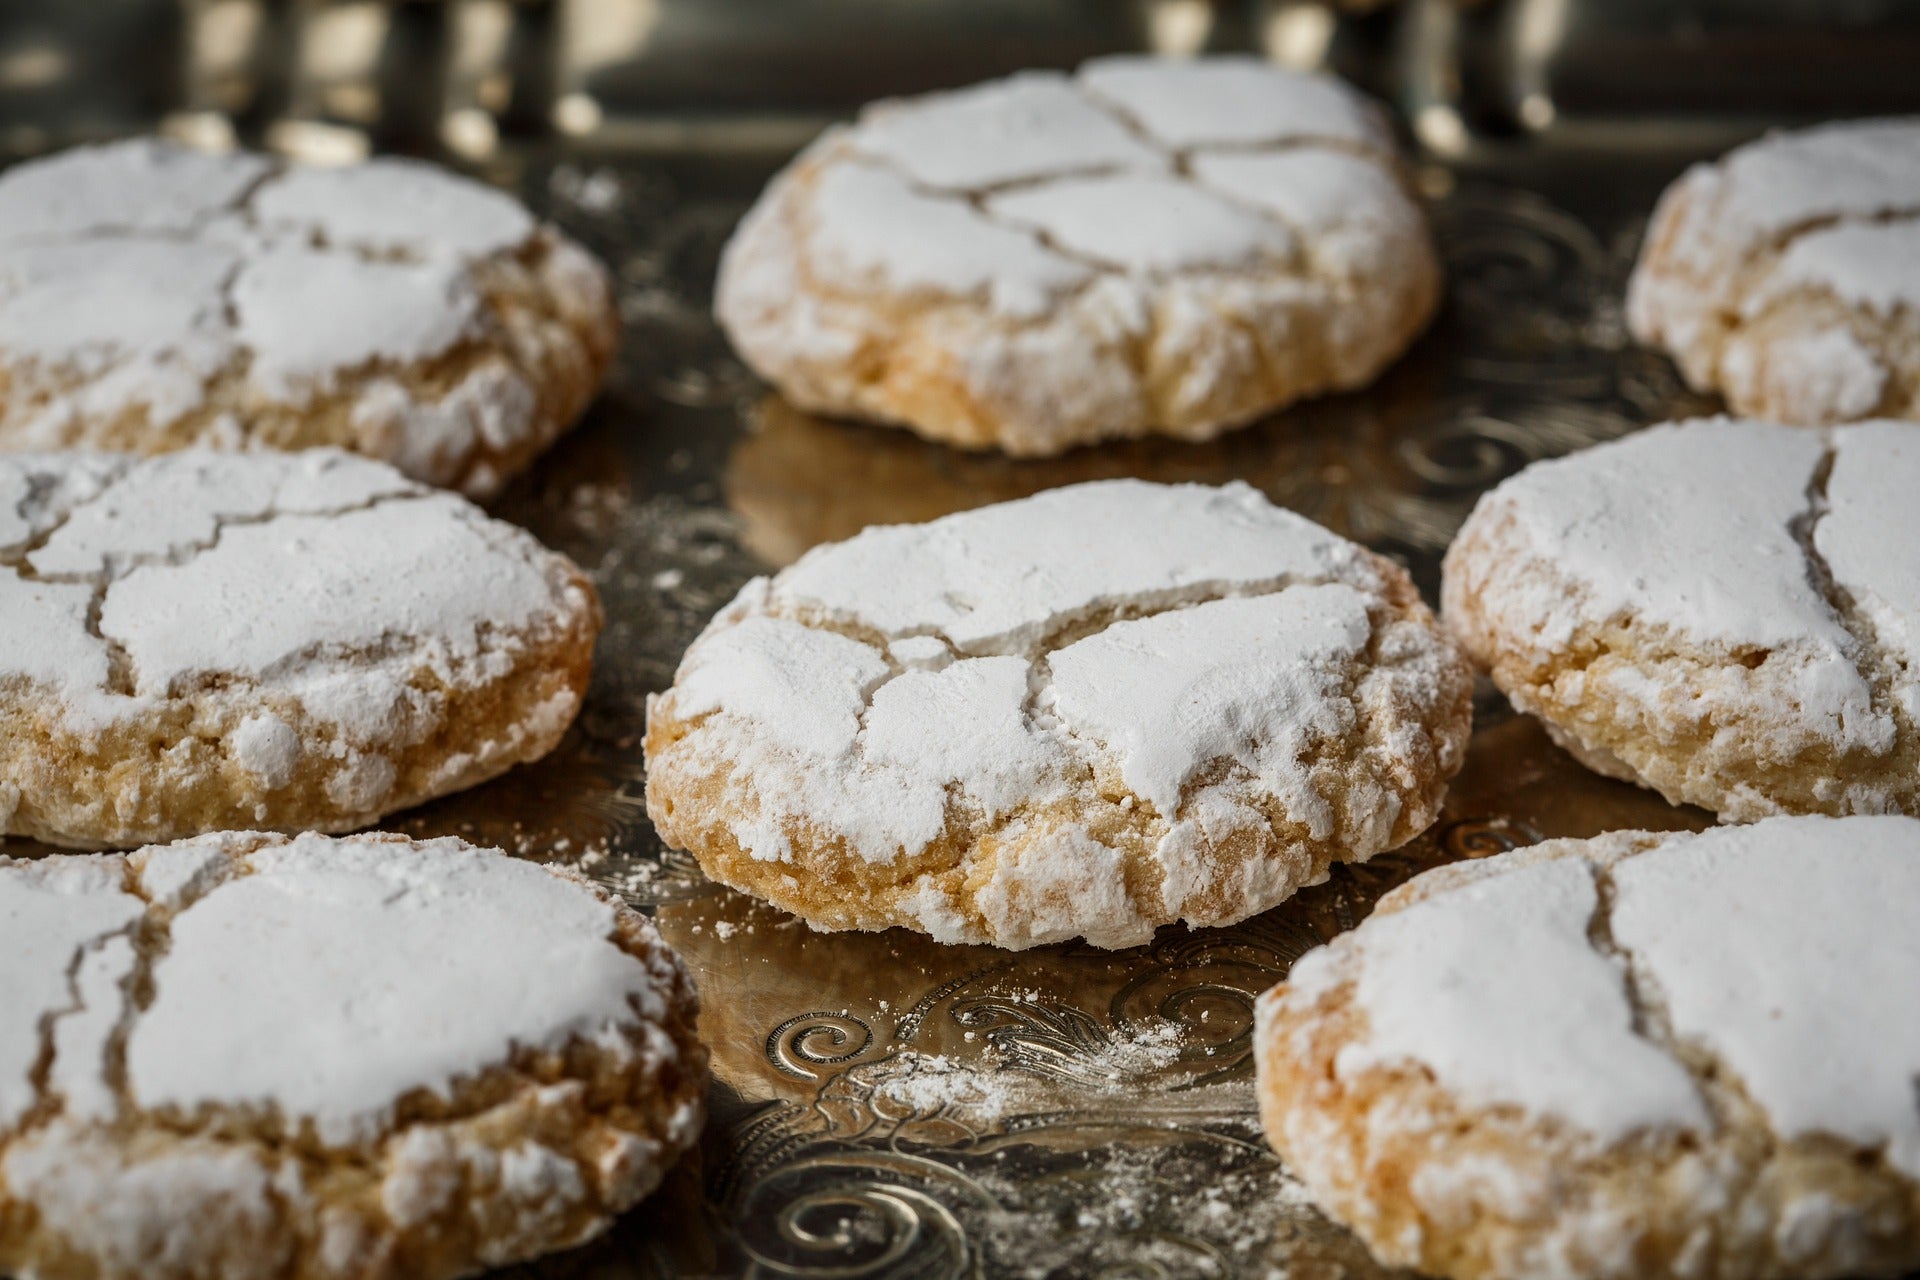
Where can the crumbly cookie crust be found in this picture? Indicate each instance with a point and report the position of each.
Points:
(1723, 611)
(1084, 714)
(247, 1056)
(1641, 1055)
(302, 641)
(951, 263)
(1786, 275)
(154, 298)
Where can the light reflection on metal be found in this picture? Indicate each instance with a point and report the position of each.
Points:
(1441, 130)
(316, 142)
(1539, 29)
(223, 54)
(1298, 35)
(595, 35)
(203, 130)
(34, 66)
(1179, 28)
(479, 81)
(1429, 75)
(337, 68)
(576, 113)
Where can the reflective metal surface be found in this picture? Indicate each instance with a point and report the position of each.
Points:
(885, 1106)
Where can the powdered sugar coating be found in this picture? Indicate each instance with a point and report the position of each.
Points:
(1170, 224)
(1665, 1054)
(1815, 232)
(1035, 124)
(318, 615)
(1864, 540)
(152, 297)
(1722, 569)
(1497, 989)
(859, 208)
(304, 996)
(1001, 579)
(1874, 266)
(130, 187)
(404, 310)
(1233, 101)
(1251, 680)
(479, 952)
(51, 915)
(971, 236)
(387, 206)
(1006, 719)
(1796, 981)
(1667, 605)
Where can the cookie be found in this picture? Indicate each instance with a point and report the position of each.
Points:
(153, 298)
(296, 641)
(1727, 612)
(1087, 713)
(1144, 247)
(246, 1056)
(1642, 1055)
(1786, 275)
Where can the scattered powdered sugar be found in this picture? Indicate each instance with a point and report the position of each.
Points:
(995, 1084)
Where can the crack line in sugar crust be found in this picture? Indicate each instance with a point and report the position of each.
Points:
(40, 1075)
(1719, 1086)
(122, 676)
(151, 935)
(1304, 263)
(1756, 265)
(43, 1112)
(1869, 659)
(1091, 622)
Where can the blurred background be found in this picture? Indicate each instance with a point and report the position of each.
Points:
(335, 78)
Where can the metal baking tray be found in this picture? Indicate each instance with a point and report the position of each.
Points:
(885, 1106)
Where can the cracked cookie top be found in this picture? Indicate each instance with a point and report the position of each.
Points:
(1255, 199)
(237, 939)
(390, 1034)
(1188, 665)
(294, 640)
(1735, 593)
(1642, 982)
(1024, 174)
(1787, 274)
(127, 582)
(158, 296)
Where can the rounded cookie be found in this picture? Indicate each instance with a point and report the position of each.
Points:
(279, 640)
(1727, 612)
(251, 1056)
(1083, 714)
(1641, 1055)
(153, 297)
(1144, 247)
(1786, 275)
